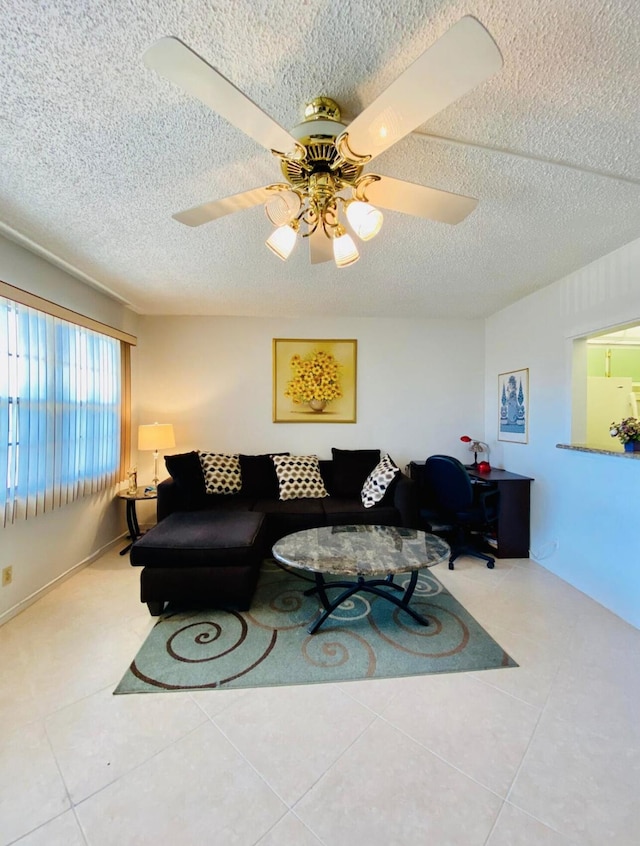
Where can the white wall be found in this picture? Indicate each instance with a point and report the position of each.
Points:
(420, 385)
(584, 506)
(43, 548)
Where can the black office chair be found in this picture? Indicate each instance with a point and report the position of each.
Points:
(454, 506)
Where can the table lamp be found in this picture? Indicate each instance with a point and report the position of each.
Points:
(477, 447)
(156, 436)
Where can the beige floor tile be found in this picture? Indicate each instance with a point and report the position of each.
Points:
(289, 831)
(386, 790)
(536, 620)
(62, 831)
(602, 700)
(542, 586)
(98, 739)
(375, 694)
(576, 784)
(196, 792)
(19, 702)
(538, 666)
(475, 569)
(75, 664)
(31, 789)
(473, 726)
(289, 734)
(213, 702)
(601, 639)
(468, 591)
(515, 828)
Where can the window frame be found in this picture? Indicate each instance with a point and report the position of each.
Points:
(47, 307)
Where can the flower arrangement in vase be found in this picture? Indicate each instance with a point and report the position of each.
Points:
(628, 433)
(315, 380)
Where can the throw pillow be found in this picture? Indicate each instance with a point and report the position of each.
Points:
(259, 478)
(378, 481)
(299, 476)
(221, 473)
(186, 471)
(350, 470)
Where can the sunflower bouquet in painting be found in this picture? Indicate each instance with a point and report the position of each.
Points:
(315, 380)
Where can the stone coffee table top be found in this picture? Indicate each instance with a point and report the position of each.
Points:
(361, 550)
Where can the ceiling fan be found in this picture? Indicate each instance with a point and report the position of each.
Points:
(326, 192)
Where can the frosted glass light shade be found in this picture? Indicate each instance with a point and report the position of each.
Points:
(282, 241)
(156, 436)
(345, 251)
(282, 207)
(364, 219)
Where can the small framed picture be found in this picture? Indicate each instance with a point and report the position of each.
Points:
(513, 406)
(314, 381)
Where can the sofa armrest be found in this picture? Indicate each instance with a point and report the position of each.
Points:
(405, 499)
(168, 499)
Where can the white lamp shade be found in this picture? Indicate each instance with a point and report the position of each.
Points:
(345, 251)
(364, 219)
(156, 436)
(282, 241)
(282, 207)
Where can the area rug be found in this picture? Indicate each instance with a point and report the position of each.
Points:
(365, 638)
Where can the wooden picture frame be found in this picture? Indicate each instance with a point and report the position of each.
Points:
(314, 380)
(513, 406)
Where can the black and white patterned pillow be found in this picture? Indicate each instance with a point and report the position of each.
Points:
(221, 472)
(299, 476)
(378, 481)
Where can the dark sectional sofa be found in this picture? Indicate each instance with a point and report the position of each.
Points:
(208, 547)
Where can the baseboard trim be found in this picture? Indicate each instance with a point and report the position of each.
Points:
(12, 612)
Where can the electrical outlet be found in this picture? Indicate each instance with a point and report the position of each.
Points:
(7, 576)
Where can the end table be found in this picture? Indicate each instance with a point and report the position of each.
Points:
(132, 517)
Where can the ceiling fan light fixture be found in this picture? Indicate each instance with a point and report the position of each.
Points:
(282, 207)
(345, 251)
(364, 219)
(322, 159)
(282, 241)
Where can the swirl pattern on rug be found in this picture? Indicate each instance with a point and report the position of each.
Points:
(365, 637)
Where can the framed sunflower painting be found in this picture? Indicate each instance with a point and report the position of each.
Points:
(314, 381)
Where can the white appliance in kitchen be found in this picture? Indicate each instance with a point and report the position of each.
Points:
(609, 399)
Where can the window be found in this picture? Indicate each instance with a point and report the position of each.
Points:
(60, 410)
(606, 384)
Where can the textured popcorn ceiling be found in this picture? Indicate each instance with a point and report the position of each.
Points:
(97, 152)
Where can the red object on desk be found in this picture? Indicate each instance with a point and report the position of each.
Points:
(484, 467)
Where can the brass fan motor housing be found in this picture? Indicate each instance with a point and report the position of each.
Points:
(317, 134)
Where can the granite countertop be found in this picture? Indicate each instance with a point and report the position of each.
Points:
(598, 450)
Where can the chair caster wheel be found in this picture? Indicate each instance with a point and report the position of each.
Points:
(491, 565)
(451, 565)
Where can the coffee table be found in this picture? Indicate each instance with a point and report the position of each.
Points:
(367, 553)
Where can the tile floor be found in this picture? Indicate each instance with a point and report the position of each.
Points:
(545, 754)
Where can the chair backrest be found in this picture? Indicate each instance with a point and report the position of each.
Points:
(448, 482)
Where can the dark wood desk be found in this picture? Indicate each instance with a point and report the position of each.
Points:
(513, 527)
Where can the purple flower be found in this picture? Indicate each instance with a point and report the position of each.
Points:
(626, 430)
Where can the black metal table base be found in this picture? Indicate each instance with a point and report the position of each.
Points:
(132, 525)
(371, 586)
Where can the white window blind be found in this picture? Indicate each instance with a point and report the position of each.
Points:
(60, 411)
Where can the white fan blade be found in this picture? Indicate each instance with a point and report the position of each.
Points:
(419, 200)
(320, 247)
(179, 64)
(460, 60)
(218, 208)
